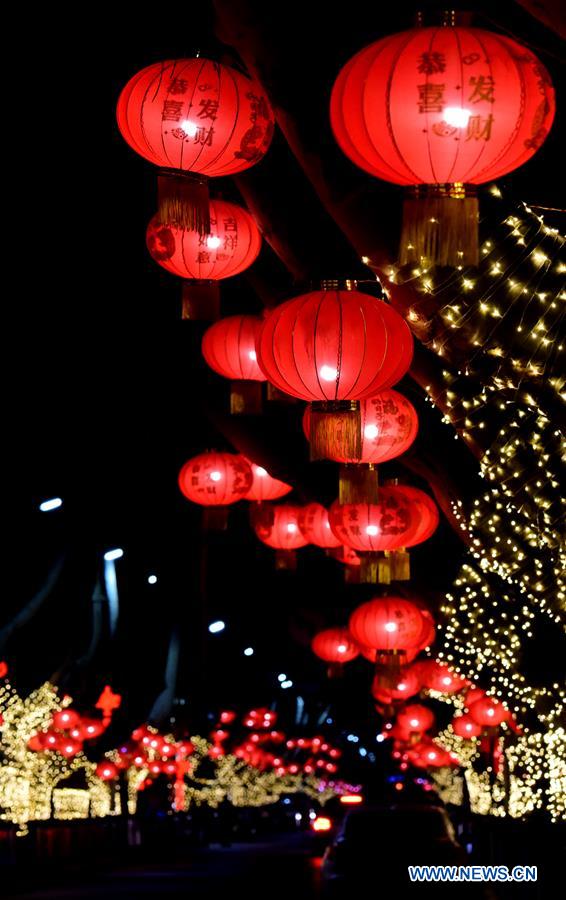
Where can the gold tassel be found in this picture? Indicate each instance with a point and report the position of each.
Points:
(215, 518)
(201, 301)
(440, 226)
(183, 201)
(245, 398)
(336, 430)
(357, 483)
(389, 665)
(286, 560)
(370, 566)
(400, 565)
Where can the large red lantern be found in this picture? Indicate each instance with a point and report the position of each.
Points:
(195, 119)
(465, 727)
(441, 110)
(278, 527)
(335, 646)
(389, 425)
(228, 347)
(315, 526)
(389, 625)
(488, 712)
(334, 347)
(230, 246)
(265, 486)
(439, 677)
(415, 718)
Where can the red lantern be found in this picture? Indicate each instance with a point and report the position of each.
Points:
(3, 669)
(426, 517)
(108, 702)
(473, 694)
(278, 527)
(488, 712)
(215, 479)
(230, 246)
(439, 677)
(265, 486)
(391, 626)
(65, 719)
(315, 526)
(36, 743)
(228, 347)
(441, 110)
(68, 747)
(194, 119)
(407, 685)
(429, 755)
(227, 716)
(465, 727)
(107, 770)
(335, 645)
(415, 718)
(334, 347)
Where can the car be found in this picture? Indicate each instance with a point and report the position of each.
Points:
(375, 844)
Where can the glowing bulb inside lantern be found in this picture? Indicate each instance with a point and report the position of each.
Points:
(291, 527)
(491, 712)
(468, 727)
(252, 355)
(456, 116)
(371, 431)
(215, 476)
(402, 686)
(341, 648)
(327, 373)
(447, 680)
(371, 530)
(190, 128)
(261, 473)
(213, 242)
(414, 723)
(391, 626)
(432, 755)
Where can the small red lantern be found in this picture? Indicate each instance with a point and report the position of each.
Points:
(228, 347)
(335, 646)
(215, 480)
(391, 626)
(441, 110)
(439, 677)
(488, 712)
(465, 727)
(230, 247)
(315, 526)
(107, 770)
(407, 685)
(68, 747)
(91, 729)
(334, 347)
(194, 118)
(265, 486)
(278, 527)
(473, 694)
(415, 718)
(65, 719)
(227, 716)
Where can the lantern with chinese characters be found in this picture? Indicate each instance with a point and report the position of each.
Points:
(228, 347)
(278, 527)
(407, 685)
(439, 677)
(335, 646)
(415, 718)
(465, 727)
(441, 110)
(195, 119)
(488, 712)
(228, 248)
(389, 425)
(215, 480)
(372, 528)
(390, 626)
(315, 526)
(334, 347)
(265, 486)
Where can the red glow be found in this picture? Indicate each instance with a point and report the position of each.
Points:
(351, 799)
(264, 486)
(369, 624)
(199, 483)
(315, 526)
(228, 347)
(278, 527)
(335, 645)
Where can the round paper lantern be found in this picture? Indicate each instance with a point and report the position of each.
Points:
(215, 479)
(441, 110)
(415, 718)
(335, 645)
(488, 712)
(68, 747)
(407, 685)
(194, 118)
(107, 770)
(315, 526)
(265, 486)
(390, 625)
(373, 526)
(334, 347)
(389, 427)
(465, 727)
(91, 729)
(65, 719)
(428, 755)
(439, 677)
(280, 528)
(473, 694)
(228, 347)
(426, 517)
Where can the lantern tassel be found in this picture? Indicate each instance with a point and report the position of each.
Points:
(246, 398)
(183, 201)
(358, 484)
(201, 301)
(440, 226)
(375, 568)
(400, 565)
(389, 666)
(336, 429)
